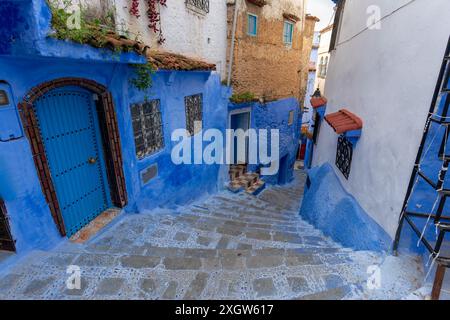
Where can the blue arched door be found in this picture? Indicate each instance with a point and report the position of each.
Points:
(69, 127)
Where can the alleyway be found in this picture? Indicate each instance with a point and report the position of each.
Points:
(224, 247)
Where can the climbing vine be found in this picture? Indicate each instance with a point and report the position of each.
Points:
(92, 31)
(153, 15)
(143, 76)
(134, 9)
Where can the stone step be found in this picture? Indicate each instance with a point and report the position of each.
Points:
(196, 259)
(176, 230)
(233, 205)
(256, 238)
(192, 231)
(249, 182)
(220, 220)
(230, 246)
(338, 293)
(256, 188)
(234, 214)
(212, 223)
(269, 212)
(251, 217)
(239, 200)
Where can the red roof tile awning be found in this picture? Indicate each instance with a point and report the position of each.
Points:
(318, 101)
(343, 121)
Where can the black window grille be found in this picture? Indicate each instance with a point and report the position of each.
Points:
(344, 155)
(194, 112)
(6, 240)
(147, 127)
(202, 5)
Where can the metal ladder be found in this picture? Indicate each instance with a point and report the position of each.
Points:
(441, 97)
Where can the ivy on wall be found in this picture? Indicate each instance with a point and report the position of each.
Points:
(153, 15)
(143, 76)
(98, 35)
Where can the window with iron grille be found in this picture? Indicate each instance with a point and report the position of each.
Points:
(198, 5)
(147, 127)
(344, 155)
(194, 112)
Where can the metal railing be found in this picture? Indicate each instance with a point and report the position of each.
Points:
(202, 5)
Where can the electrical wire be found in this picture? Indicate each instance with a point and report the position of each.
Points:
(381, 19)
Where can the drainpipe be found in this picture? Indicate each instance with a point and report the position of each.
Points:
(233, 40)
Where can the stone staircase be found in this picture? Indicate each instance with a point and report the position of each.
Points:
(229, 246)
(241, 180)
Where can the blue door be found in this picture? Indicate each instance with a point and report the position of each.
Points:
(70, 131)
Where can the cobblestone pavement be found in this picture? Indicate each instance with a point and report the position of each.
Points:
(228, 246)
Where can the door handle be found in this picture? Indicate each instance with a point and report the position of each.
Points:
(92, 160)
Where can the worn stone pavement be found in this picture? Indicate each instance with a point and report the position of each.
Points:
(227, 246)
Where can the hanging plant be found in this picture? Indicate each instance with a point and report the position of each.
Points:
(153, 15)
(134, 10)
(143, 76)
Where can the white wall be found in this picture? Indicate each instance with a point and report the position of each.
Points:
(323, 52)
(387, 77)
(186, 32)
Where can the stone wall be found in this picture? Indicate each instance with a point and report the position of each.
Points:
(308, 36)
(264, 65)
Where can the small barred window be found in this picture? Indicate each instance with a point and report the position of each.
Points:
(344, 155)
(194, 112)
(147, 127)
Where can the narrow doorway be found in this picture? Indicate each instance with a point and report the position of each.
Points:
(70, 131)
(240, 121)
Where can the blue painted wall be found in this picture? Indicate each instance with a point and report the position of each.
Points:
(175, 183)
(25, 26)
(275, 115)
(327, 206)
(30, 58)
(31, 222)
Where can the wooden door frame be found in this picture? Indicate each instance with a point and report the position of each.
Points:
(110, 138)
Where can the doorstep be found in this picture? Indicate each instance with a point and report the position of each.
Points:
(96, 225)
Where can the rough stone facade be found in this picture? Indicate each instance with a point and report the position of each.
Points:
(308, 35)
(264, 65)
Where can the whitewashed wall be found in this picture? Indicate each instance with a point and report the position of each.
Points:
(387, 77)
(186, 32)
(324, 46)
